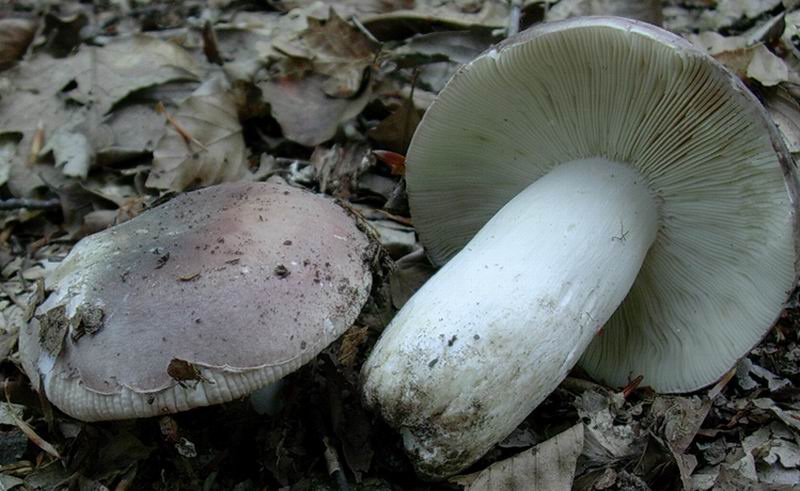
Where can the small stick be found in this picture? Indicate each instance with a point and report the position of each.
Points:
(513, 17)
(187, 137)
(33, 204)
(37, 142)
(361, 27)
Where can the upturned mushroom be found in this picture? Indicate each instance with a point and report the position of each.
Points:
(196, 302)
(585, 174)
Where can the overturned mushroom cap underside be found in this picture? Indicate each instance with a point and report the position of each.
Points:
(611, 88)
(196, 302)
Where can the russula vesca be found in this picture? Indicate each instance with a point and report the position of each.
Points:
(594, 172)
(198, 301)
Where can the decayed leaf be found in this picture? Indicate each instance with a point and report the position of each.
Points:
(757, 63)
(15, 36)
(766, 67)
(767, 32)
(774, 454)
(398, 239)
(305, 112)
(410, 273)
(487, 15)
(746, 368)
(35, 99)
(715, 43)
(606, 441)
(203, 144)
(549, 466)
(395, 132)
(128, 131)
(729, 12)
(645, 10)
(7, 482)
(8, 147)
(336, 49)
(679, 419)
(458, 46)
(747, 56)
(109, 74)
(347, 8)
(339, 167)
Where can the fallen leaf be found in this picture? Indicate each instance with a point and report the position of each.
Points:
(292, 100)
(549, 466)
(715, 43)
(182, 370)
(8, 147)
(15, 36)
(108, 74)
(409, 274)
(606, 440)
(766, 67)
(756, 63)
(428, 13)
(745, 369)
(396, 238)
(644, 10)
(679, 418)
(730, 12)
(458, 46)
(42, 93)
(217, 152)
(352, 341)
(395, 131)
(395, 161)
(129, 131)
(337, 50)
(347, 8)
(338, 167)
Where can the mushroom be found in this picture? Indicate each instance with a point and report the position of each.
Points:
(593, 173)
(199, 301)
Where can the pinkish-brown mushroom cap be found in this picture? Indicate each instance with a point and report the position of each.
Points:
(196, 302)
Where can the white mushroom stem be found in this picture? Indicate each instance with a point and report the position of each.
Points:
(485, 340)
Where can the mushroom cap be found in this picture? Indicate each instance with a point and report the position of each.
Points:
(198, 301)
(725, 257)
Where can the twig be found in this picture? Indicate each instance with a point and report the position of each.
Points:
(513, 17)
(183, 132)
(37, 142)
(33, 204)
(361, 27)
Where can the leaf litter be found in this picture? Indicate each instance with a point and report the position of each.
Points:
(109, 108)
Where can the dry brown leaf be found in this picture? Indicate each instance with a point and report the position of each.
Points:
(347, 8)
(305, 112)
(410, 273)
(338, 168)
(336, 49)
(729, 12)
(107, 75)
(715, 43)
(680, 418)
(458, 46)
(128, 131)
(102, 77)
(395, 132)
(216, 151)
(755, 63)
(15, 36)
(352, 341)
(486, 15)
(549, 466)
(645, 10)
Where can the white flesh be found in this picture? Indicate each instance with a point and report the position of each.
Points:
(502, 323)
